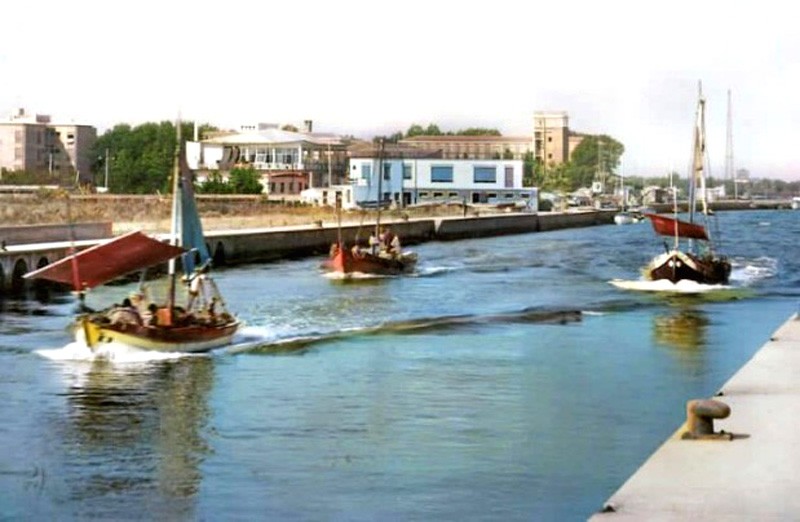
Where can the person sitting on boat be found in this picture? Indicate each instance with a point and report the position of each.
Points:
(125, 314)
(374, 244)
(390, 243)
(150, 316)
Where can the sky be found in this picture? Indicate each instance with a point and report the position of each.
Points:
(626, 69)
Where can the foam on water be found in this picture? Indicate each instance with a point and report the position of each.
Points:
(664, 285)
(116, 352)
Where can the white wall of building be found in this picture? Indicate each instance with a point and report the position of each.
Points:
(414, 181)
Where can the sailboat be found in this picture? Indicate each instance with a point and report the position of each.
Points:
(698, 262)
(191, 318)
(625, 216)
(382, 257)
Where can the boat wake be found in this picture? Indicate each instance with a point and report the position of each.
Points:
(425, 325)
(350, 276)
(750, 272)
(115, 352)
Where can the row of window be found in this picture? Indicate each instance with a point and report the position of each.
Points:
(439, 173)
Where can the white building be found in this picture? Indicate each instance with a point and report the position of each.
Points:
(287, 161)
(429, 180)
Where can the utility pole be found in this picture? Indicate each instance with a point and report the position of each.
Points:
(729, 171)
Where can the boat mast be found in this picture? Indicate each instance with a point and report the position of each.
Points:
(176, 210)
(380, 190)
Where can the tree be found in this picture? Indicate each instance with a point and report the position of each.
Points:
(214, 184)
(245, 181)
(141, 158)
(478, 131)
(593, 155)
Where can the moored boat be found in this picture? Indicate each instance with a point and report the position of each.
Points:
(695, 260)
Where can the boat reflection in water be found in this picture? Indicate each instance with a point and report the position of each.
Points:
(151, 416)
(685, 330)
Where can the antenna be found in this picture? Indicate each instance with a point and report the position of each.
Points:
(729, 171)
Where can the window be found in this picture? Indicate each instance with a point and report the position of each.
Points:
(438, 194)
(423, 194)
(366, 171)
(442, 174)
(406, 171)
(387, 171)
(484, 174)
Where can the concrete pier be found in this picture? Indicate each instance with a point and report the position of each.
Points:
(231, 247)
(752, 475)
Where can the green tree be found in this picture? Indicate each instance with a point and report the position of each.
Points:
(245, 181)
(478, 131)
(214, 184)
(141, 158)
(594, 155)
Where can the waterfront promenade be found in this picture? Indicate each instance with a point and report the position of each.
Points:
(751, 477)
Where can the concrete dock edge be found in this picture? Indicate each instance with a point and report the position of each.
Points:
(752, 477)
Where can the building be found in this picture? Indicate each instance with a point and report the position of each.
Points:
(403, 181)
(34, 144)
(473, 147)
(554, 142)
(551, 141)
(287, 161)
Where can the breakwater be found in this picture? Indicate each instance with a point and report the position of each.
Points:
(232, 247)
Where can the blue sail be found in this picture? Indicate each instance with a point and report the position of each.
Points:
(191, 228)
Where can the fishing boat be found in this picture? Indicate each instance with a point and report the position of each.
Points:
(192, 317)
(383, 255)
(698, 261)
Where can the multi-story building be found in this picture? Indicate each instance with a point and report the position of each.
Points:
(473, 147)
(551, 142)
(287, 161)
(409, 181)
(34, 144)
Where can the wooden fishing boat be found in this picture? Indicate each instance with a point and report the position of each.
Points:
(383, 257)
(349, 262)
(192, 317)
(692, 256)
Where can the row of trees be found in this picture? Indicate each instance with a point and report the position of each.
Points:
(433, 130)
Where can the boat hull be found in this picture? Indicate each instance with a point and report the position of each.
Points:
(676, 265)
(192, 338)
(626, 218)
(345, 262)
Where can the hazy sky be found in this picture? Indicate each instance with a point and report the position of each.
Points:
(626, 69)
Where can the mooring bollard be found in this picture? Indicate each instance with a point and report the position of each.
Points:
(700, 415)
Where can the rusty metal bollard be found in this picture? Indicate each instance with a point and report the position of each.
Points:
(700, 415)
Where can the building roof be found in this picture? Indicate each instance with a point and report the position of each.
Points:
(468, 139)
(272, 136)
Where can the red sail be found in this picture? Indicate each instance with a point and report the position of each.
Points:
(102, 263)
(667, 226)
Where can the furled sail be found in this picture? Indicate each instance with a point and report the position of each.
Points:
(191, 229)
(667, 226)
(108, 261)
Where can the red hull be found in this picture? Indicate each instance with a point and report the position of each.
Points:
(344, 261)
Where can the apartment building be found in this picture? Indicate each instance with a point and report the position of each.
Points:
(551, 141)
(34, 143)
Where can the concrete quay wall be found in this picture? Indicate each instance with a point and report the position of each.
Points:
(235, 247)
(750, 475)
(28, 234)
(232, 247)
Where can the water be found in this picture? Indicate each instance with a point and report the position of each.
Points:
(508, 380)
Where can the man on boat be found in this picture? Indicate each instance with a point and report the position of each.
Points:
(390, 243)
